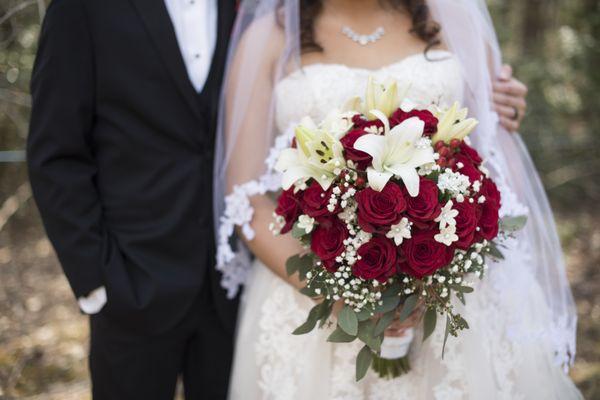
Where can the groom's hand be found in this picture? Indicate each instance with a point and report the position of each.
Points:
(510, 99)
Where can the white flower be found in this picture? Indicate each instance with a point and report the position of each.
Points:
(454, 183)
(383, 97)
(307, 223)
(338, 123)
(453, 124)
(447, 216)
(399, 232)
(447, 235)
(396, 153)
(318, 156)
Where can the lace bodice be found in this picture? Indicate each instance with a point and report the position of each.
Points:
(316, 89)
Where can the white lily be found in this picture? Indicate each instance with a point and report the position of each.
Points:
(338, 123)
(453, 124)
(384, 97)
(319, 156)
(398, 152)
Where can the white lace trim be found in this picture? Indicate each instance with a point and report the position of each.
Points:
(233, 259)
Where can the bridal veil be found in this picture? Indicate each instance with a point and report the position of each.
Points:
(247, 142)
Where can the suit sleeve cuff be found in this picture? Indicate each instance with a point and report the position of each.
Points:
(94, 302)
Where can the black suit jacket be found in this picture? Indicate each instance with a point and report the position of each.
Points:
(120, 157)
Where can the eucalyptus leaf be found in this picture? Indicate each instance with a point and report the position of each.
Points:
(429, 322)
(292, 264)
(339, 336)
(366, 333)
(446, 333)
(513, 224)
(298, 232)
(385, 321)
(300, 264)
(461, 297)
(408, 307)
(311, 321)
(365, 314)
(389, 303)
(348, 321)
(325, 312)
(462, 289)
(494, 252)
(363, 362)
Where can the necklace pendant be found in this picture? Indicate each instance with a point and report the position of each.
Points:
(363, 40)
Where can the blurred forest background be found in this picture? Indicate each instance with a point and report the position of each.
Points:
(554, 46)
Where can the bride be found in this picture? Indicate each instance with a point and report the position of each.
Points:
(297, 58)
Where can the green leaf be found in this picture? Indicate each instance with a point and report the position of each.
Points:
(367, 336)
(297, 232)
(461, 297)
(348, 321)
(462, 289)
(363, 362)
(365, 314)
(385, 321)
(309, 291)
(325, 312)
(311, 321)
(339, 336)
(292, 264)
(429, 322)
(446, 332)
(494, 252)
(389, 303)
(300, 264)
(408, 307)
(513, 224)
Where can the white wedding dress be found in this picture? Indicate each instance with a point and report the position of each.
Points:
(491, 360)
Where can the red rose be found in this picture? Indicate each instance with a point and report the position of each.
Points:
(327, 241)
(378, 259)
(362, 123)
(424, 256)
(380, 209)
(425, 207)
(315, 200)
(470, 153)
(431, 122)
(468, 168)
(490, 191)
(466, 223)
(488, 221)
(362, 159)
(288, 207)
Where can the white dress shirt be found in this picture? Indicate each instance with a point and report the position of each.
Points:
(195, 23)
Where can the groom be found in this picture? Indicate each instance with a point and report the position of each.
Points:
(125, 96)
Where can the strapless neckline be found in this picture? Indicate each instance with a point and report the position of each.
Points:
(315, 89)
(407, 59)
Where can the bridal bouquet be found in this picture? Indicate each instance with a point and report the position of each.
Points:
(396, 213)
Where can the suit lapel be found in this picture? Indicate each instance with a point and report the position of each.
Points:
(160, 28)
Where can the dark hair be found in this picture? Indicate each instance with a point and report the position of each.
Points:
(422, 26)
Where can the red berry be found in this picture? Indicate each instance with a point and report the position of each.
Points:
(452, 163)
(360, 181)
(439, 144)
(454, 143)
(442, 162)
(444, 152)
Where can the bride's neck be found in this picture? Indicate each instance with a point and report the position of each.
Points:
(353, 6)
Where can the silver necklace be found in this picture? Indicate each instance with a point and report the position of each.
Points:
(363, 40)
